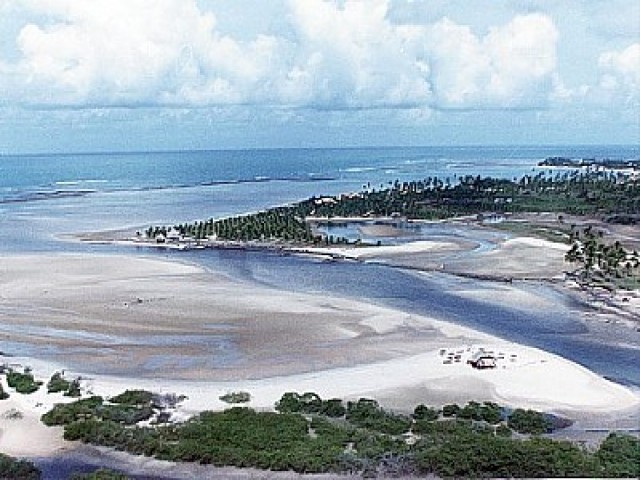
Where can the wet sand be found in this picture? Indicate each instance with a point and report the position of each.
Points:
(129, 322)
(147, 318)
(144, 319)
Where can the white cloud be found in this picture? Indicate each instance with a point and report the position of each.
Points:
(512, 66)
(108, 52)
(327, 55)
(352, 56)
(620, 76)
(169, 52)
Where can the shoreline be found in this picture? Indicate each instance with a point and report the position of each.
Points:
(625, 305)
(367, 334)
(376, 339)
(27, 437)
(399, 376)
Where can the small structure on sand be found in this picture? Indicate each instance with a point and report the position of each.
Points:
(482, 360)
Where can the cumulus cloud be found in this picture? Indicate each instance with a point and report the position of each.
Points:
(169, 52)
(511, 66)
(135, 52)
(335, 55)
(620, 76)
(352, 56)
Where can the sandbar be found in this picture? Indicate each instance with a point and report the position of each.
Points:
(129, 322)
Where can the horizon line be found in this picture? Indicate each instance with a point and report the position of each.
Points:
(346, 148)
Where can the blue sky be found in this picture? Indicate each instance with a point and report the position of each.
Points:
(118, 75)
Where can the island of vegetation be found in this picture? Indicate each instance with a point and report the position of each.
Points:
(612, 197)
(24, 382)
(309, 434)
(604, 163)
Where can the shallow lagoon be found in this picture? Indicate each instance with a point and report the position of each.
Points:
(42, 197)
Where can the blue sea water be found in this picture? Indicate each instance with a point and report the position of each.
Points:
(45, 196)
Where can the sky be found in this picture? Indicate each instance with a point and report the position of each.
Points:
(137, 75)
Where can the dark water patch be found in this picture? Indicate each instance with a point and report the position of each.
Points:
(88, 460)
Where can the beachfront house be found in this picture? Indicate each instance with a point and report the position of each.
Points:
(173, 235)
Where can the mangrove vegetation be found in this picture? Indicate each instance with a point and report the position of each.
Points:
(16, 469)
(309, 434)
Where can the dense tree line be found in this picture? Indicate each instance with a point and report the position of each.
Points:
(279, 223)
(309, 434)
(573, 192)
(594, 163)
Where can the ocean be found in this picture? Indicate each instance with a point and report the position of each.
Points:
(43, 197)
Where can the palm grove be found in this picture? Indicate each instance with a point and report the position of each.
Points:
(612, 196)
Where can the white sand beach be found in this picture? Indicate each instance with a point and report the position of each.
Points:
(420, 246)
(519, 257)
(98, 315)
(21, 432)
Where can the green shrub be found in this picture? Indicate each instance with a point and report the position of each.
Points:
(14, 469)
(94, 407)
(23, 382)
(292, 402)
(74, 389)
(335, 432)
(491, 412)
(310, 403)
(66, 413)
(619, 456)
(333, 407)
(450, 410)
(133, 397)
(441, 429)
(57, 383)
(366, 413)
(529, 421)
(488, 411)
(422, 412)
(124, 414)
(236, 397)
(473, 455)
